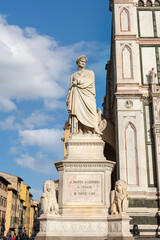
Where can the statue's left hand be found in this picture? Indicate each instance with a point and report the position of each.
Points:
(74, 83)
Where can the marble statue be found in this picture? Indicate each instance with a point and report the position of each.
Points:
(152, 76)
(48, 199)
(119, 198)
(81, 103)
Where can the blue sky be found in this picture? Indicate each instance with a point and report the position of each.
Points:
(39, 42)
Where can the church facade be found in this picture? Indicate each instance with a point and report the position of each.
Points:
(132, 107)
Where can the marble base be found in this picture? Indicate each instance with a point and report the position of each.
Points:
(60, 227)
(69, 238)
(84, 193)
(118, 227)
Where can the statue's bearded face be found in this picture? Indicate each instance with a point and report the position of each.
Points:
(82, 63)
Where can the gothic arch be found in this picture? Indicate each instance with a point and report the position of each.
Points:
(148, 3)
(126, 62)
(140, 3)
(131, 154)
(157, 3)
(124, 20)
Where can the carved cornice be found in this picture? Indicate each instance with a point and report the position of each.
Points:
(69, 143)
(124, 37)
(77, 165)
(87, 166)
(127, 95)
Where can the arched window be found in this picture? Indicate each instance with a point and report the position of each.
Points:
(140, 3)
(131, 154)
(126, 62)
(124, 20)
(148, 3)
(157, 3)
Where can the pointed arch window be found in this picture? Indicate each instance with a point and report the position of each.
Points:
(126, 62)
(124, 20)
(148, 3)
(157, 3)
(131, 154)
(140, 3)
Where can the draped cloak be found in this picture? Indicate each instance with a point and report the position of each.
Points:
(81, 98)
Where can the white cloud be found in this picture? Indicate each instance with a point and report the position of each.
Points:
(14, 150)
(39, 163)
(36, 194)
(48, 139)
(27, 58)
(35, 66)
(36, 119)
(9, 124)
(54, 104)
(7, 105)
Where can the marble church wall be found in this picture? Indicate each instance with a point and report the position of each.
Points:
(134, 77)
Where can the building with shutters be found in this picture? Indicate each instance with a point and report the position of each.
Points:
(3, 203)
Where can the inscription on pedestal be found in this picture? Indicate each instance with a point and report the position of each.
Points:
(84, 188)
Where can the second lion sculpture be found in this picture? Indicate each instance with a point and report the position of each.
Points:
(119, 198)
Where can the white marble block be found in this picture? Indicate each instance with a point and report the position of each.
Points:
(85, 147)
(61, 226)
(118, 227)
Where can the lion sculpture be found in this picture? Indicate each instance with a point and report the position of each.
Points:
(119, 198)
(48, 199)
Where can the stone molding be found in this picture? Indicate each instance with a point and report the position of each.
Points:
(107, 165)
(128, 95)
(85, 143)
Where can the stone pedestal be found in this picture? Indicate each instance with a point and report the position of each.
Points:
(84, 192)
(84, 178)
(118, 227)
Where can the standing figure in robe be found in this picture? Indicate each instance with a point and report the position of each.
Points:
(81, 101)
